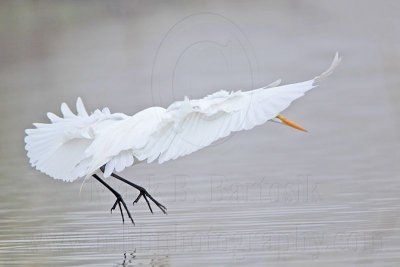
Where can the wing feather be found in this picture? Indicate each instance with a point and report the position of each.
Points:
(59, 147)
(190, 125)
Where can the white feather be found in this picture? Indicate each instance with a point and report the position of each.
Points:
(59, 147)
(78, 145)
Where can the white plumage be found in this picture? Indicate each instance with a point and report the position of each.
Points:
(77, 145)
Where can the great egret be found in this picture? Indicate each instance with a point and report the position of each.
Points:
(79, 145)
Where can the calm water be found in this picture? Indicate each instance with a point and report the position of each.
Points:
(268, 197)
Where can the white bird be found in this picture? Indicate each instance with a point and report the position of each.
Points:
(78, 145)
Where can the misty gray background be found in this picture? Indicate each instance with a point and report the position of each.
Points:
(271, 196)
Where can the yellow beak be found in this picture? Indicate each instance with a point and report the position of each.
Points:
(290, 123)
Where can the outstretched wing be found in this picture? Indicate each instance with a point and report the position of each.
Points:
(190, 125)
(58, 147)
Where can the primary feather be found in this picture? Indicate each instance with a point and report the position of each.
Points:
(77, 145)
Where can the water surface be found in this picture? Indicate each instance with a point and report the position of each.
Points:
(268, 197)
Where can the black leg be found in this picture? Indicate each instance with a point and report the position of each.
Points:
(143, 193)
(118, 201)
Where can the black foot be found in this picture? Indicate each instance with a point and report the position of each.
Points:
(143, 193)
(119, 201)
